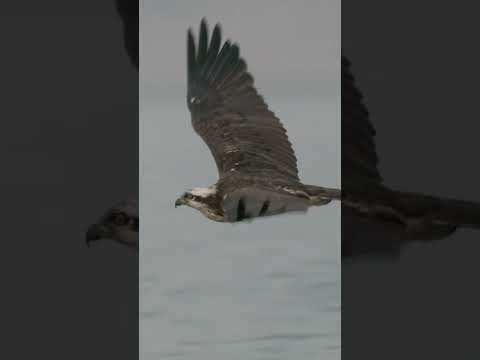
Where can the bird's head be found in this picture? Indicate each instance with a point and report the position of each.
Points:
(204, 200)
(119, 223)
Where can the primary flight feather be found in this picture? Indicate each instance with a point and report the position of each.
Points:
(257, 167)
(256, 164)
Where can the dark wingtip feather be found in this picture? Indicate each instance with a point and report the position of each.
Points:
(228, 64)
(217, 28)
(203, 42)
(213, 49)
(236, 50)
(209, 60)
(215, 41)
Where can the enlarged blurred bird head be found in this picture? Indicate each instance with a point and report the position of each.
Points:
(119, 223)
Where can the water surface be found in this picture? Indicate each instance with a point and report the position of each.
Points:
(269, 289)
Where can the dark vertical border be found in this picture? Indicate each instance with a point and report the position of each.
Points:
(69, 139)
(417, 66)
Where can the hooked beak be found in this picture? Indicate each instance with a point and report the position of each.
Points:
(179, 202)
(96, 232)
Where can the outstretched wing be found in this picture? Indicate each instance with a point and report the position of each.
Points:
(243, 135)
(359, 157)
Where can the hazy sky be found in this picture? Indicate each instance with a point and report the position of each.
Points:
(293, 51)
(291, 47)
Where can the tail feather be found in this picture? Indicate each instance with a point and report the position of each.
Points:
(411, 207)
(414, 207)
(321, 195)
(443, 211)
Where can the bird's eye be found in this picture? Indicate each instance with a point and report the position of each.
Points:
(120, 219)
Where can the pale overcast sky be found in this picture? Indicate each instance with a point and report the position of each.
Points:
(195, 271)
(293, 45)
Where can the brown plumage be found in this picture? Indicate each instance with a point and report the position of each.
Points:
(257, 167)
(376, 218)
(229, 114)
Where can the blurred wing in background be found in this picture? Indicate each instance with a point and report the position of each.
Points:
(128, 10)
(359, 157)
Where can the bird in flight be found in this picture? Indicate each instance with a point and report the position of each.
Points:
(256, 164)
(375, 218)
(257, 167)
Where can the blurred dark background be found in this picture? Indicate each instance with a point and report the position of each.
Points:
(417, 66)
(69, 151)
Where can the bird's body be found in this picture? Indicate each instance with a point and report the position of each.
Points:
(382, 221)
(375, 218)
(238, 199)
(120, 223)
(257, 166)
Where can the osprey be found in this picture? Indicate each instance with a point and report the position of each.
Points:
(257, 167)
(120, 222)
(376, 219)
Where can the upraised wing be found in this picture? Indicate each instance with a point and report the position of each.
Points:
(128, 10)
(243, 135)
(359, 157)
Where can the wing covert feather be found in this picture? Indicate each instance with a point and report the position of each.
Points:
(228, 113)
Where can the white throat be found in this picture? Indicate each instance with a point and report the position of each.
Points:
(204, 192)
